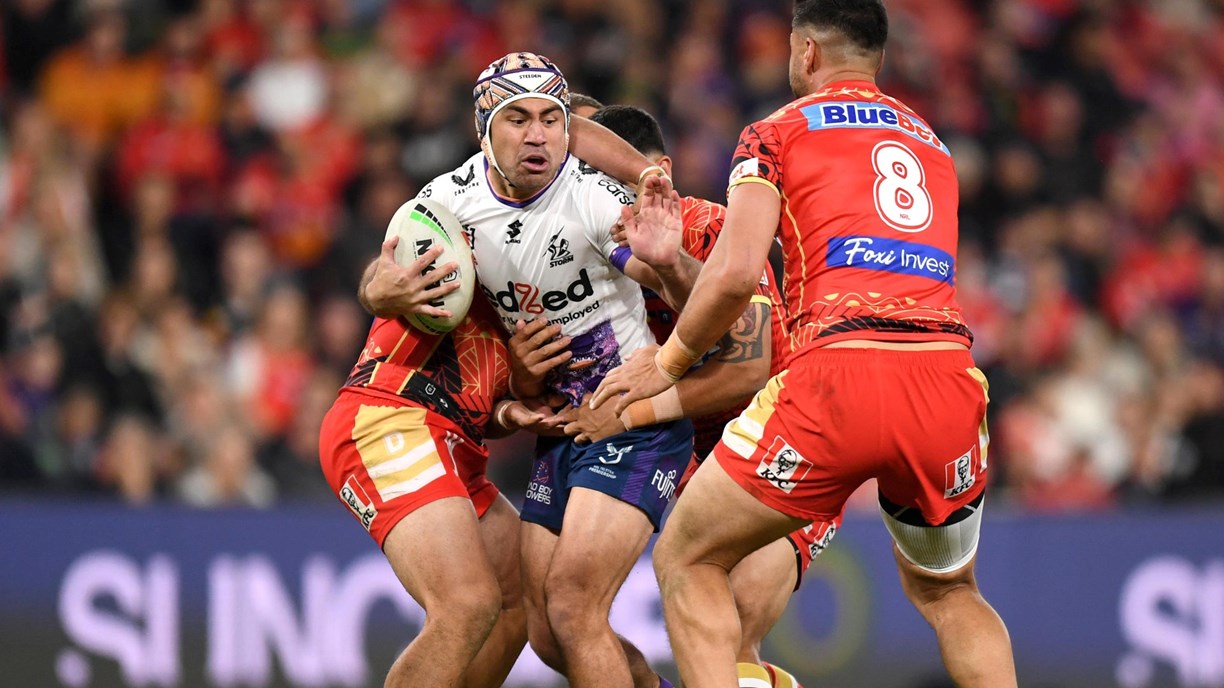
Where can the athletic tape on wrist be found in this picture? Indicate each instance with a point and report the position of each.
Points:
(674, 358)
(661, 408)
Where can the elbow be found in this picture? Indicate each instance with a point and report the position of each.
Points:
(738, 281)
(750, 377)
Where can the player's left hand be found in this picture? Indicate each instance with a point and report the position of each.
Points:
(587, 425)
(636, 378)
(655, 233)
(537, 416)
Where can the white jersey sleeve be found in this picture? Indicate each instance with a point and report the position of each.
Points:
(549, 257)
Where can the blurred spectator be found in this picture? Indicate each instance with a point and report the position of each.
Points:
(288, 90)
(94, 89)
(228, 475)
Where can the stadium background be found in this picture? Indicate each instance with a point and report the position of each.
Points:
(189, 190)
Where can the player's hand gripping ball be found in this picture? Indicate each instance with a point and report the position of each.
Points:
(420, 224)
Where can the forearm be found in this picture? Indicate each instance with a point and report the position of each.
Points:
(676, 281)
(717, 299)
(596, 145)
(740, 369)
(362, 298)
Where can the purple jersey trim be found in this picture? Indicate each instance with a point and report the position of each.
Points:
(529, 201)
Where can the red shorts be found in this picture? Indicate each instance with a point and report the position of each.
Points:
(385, 459)
(914, 420)
(808, 542)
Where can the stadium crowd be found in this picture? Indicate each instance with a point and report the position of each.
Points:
(190, 189)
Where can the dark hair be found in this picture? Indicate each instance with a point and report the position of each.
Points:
(583, 100)
(863, 22)
(634, 125)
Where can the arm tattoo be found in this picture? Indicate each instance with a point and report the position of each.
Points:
(744, 342)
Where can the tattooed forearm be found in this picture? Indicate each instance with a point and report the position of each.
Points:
(748, 338)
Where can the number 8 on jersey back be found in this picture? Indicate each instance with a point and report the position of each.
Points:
(419, 224)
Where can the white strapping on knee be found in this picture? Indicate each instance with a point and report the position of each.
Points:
(941, 549)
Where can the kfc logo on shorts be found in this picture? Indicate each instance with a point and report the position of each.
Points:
(959, 475)
(781, 466)
(358, 501)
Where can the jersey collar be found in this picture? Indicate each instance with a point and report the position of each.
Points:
(526, 202)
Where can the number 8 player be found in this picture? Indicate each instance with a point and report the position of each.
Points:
(880, 383)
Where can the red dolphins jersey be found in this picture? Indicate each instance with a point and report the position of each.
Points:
(703, 221)
(459, 375)
(869, 216)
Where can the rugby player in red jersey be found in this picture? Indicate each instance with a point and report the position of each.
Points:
(880, 383)
(402, 447)
(754, 349)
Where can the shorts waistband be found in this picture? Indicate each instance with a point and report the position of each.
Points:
(822, 356)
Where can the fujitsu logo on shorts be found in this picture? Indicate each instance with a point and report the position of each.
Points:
(961, 474)
(354, 495)
(783, 466)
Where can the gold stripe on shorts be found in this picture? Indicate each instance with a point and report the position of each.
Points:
(983, 430)
(397, 449)
(742, 434)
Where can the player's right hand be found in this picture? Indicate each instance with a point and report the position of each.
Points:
(535, 349)
(397, 290)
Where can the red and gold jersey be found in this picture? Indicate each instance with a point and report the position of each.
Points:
(459, 375)
(703, 221)
(869, 216)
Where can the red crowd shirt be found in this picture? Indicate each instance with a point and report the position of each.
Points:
(459, 375)
(703, 221)
(869, 216)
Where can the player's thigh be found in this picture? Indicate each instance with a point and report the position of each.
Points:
(718, 522)
(602, 539)
(762, 584)
(499, 530)
(938, 550)
(437, 553)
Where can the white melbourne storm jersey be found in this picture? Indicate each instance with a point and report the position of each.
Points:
(551, 257)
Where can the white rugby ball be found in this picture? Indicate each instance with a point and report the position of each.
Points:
(419, 224)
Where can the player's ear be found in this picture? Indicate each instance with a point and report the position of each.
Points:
(880, 64)
(666, 163)
(812, 55)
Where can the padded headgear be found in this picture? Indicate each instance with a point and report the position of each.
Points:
(514, 77)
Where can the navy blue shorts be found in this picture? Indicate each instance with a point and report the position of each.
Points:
(639, 467)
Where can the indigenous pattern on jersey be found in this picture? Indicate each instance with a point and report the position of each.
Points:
(550, 257)
(703, 221)
(459, 375)
(869, 226)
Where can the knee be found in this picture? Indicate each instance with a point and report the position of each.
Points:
(474, 608)
(571, 608)
(665, 558)
(927, 589)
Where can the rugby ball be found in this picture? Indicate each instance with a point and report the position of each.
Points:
(420, 224)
